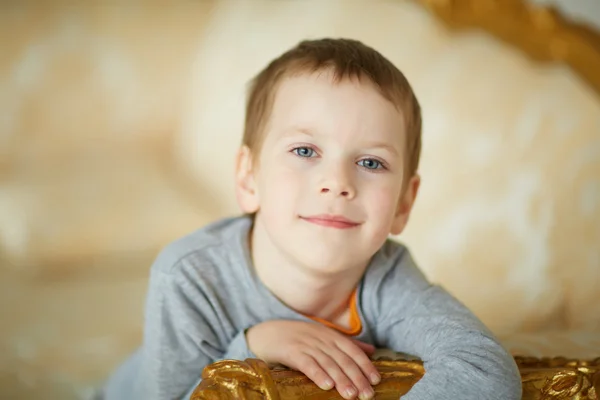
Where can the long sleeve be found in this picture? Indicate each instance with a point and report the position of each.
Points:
(237, 350)
(199, 302)
(185, 329)
(182, 334)
(179, 338)
(462, 359)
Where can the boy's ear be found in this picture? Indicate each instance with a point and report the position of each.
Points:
(246, 190)
(405, 205)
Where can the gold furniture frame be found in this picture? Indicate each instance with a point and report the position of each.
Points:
(541, 32)
(543, 379)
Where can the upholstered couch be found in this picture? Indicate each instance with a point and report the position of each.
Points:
(121, 135)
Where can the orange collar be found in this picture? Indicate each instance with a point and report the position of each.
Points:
(355, 324)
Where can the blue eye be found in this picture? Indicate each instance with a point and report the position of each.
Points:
(303, 152)
(370, 163)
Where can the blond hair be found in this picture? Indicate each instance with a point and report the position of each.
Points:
(347, 59)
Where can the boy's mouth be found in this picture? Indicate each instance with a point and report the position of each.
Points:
(331, 221)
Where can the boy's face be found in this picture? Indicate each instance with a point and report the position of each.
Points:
(327, 186)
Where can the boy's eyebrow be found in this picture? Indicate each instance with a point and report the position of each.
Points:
(295, 130)
(373, 145)
(385, 146)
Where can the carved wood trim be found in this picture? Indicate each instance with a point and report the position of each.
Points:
(543, 379)
(540, 31)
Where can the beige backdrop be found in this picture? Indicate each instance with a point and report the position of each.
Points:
(118, 130)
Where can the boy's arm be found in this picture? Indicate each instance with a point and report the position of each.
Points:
(237, 350)
(179, 338)
(181, 335)
(462, 359)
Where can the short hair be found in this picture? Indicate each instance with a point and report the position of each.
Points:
(347, 59)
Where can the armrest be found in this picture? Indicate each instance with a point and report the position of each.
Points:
(543, 378)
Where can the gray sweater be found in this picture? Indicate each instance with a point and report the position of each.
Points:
(203, 294)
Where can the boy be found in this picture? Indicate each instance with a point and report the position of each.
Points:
(308, 277)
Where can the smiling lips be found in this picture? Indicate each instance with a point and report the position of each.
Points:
(331, 221)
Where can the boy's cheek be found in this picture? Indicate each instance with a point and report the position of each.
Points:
(288, 175)
(280, 185)
(383, 203)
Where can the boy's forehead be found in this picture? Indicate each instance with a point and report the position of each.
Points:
(314, 81)
(306, 101)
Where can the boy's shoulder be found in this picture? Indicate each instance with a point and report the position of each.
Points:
(392, 264)
(209, 245)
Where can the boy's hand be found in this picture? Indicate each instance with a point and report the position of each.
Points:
(325, 356)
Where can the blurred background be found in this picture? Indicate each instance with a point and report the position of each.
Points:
(118, 126)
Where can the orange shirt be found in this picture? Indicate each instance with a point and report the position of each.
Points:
(355, 324)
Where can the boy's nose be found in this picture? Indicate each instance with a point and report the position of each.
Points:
(338, 188)
(345, 193)
(337, 181)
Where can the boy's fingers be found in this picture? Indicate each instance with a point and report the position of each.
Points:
(343, 383)
(366, 347)
(352, 369)
(306, 364)
(362, 360)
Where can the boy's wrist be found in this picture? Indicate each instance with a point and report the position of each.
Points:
(253, 336)
(260, 338)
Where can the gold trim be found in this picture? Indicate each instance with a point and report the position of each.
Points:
(543, 379)
(559, 378)
(540, 31)
(253, 380)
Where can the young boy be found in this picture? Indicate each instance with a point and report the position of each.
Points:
(308, 277)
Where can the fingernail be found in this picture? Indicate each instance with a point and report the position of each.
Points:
(327, 385)
(375, 378)
(350, 393)
(366, 394)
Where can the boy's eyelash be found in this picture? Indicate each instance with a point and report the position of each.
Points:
(296, 148)
(383, 164)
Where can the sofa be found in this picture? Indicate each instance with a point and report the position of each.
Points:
(122, 124)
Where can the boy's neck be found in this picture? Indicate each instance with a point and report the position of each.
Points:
(306, 291)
